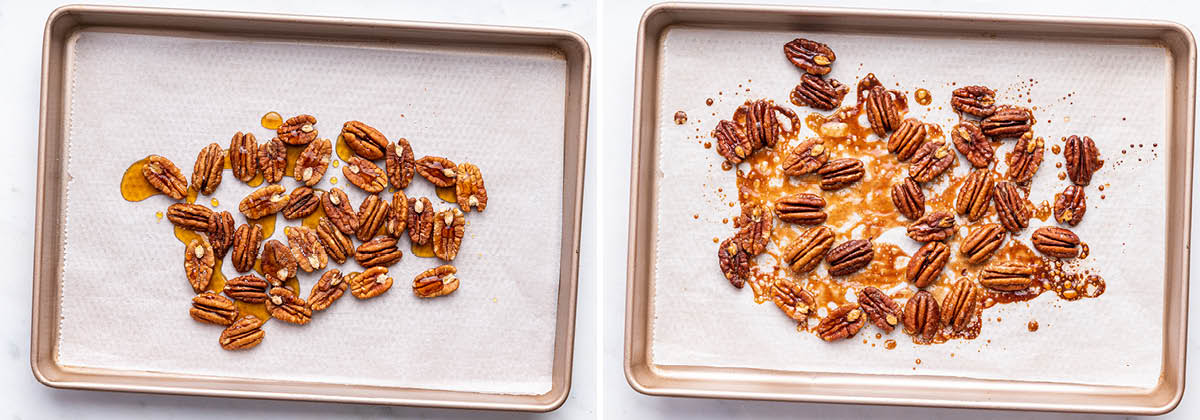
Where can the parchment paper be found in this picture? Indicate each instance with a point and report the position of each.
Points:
(1113, 93)
(125, 298)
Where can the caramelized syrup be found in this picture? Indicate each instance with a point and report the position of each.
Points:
(267, 223)
(311, 220)
(134, 186)
(343, 150)
(922, 96)
(271, 120)
(293, 152)
(423, 251)
(447, 194)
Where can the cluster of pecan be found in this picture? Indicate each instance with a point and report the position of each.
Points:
(755, 125)
(815, 59)
(377, 224)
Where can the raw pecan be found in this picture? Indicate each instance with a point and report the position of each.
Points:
(370, 283)
(245, 333)
(438, 170)
(469, 189)
(793, 300)
(248, 288)
(327, 290)
(164, 176)
(277, 262)
(819, 93)
(420, 220)
(1083, 159)
(435, 282)
(930, 160)
(921, 316)
(883, 110)
(285, 306)
(302, 202)
(732, 143)
(1007, 122)
(198, 261)
(364, 174)
(971, 142)
(448, 228)
(398, 218)
(735, 262)
(806, 252)
(364, 140)
(761, 122)
(754, 228)
(337, 207)
(926, 265)
(958, 307)
(811, 56)
(843, 322)
(1056, 242)
(975, 194)
(272, 160)
(206, 174)
(802, 208)
(849, 256)
(1011, 208)
(1070, 205)
(372, 214)
(806, 158)
(264, 202)
(840, 173)
(243, 156)
(936, 226)
(221, 234)
(1007, 277)
(245, 247)
(982, 242)
(880, 308)
(1025, 158)
(337, 246)
(312, 162)
(381, 251)
(400, 165)
(298, 131)
(907, 138)
(975, 100)
(191, 216)
(908, 198)
(213, 308)
(306, 248)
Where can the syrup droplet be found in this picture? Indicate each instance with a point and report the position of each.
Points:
(680, 117)
(272, 120)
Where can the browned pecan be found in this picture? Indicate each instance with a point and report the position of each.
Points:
(164, 176)
(400, 165)
(337, 207)
(435, 282)
(958, 306)
(213, 308)
(364, 174)
(364, 140)
(1011, 208)
(448, 229)
(754, 228)
(221, 234)
(191, 216)
(248, 288)
(806, 158)
(302, 202)
(926, 265)
(243, 156)
(272, 160)
(930, 160)
(936, 226)
(381, 251)
(469, 189)
(1025, 158)
(880, 308)
(337, 246)
(312, 162)
(285, 306)
(328, 289)
(1083, 159)
(370, 283)
(298, 131)
(420, 220)
(1070, 205)
(840, 173)
(245, 247)
(843, 322)
(975, 194)
(198, 262)
(806, 252)
(907, 138)
(1007, 122)
(206, 174)
(306, 248)
(1007, 277)
(277, 262)
(264, 202)
(398, 218)
(732, 143)
(908, 198)
(819, 93)
(372, 214)
(971, 142)
(245, 333)
(734, 262)
(1056, 242)
(439, 171)
(975, 100)
(811, 56)
(922, 317)
(982, 242)
(849, 256)
(802, 208)
(761, 122)
(883, 110)
(793, 300)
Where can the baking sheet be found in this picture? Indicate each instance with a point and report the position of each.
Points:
(124, 298)
(1115, 93)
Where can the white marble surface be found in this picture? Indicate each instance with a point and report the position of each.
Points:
(21, 25)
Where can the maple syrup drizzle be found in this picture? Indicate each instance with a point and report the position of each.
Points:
(447, 194)
(343, 150)
(134, 186)
(423, 251)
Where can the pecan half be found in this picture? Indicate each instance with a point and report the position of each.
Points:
(811, 56)
(306, 248)
(191, 216)
(400, 165)
(843, 322)
(439, 171)
(264, 202)
(971, 142)
(245, 333)
(806, 158)
(754, 228)
(220, 235)
(328, 289)
(298, 131)
(1083, 159)
(926, 265)
(420, 220)
(1007, 122)
(732, 143)
(364, 174)
(806, 252)
(908, 198)
(975, 194)
(198, 262)
(922, 317)
(802, 208)
(1070, 205)
(936, 226)
(1007, 277)
(164, 176)
(1056, 242)
(313, 161)
(285, 306)
(302, 202)
(381, 251)
(448, 229)
(277, 262)
(372, 214)
(337, 246)
(761, 122)
(975, 100)
(819, 93)
(840, 173)
(883, 110)
(1011, 208)
(249, 289)
(364, 140)
(849, 256)
(337, 207)
(793, 300)
(370, 283)
(435, 282)
(907, 138)
(982, 242)
(469, 189)
(930, 160)
(213, 308)
(243, 156)
(880, 308)
(206, 174)
(272, 160)
(1025, 158)
(398, 218)
(958, 306)
(734, 262)
(245, 246)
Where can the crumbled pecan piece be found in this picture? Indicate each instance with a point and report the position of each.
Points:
(1025, 158)
(164, 176)
(191, 216)
(908, 198)
(802, 208)
(806, 158)
(840, 173)
(922, 317)
(245, 333)
(302, 202)
(312, 162)
(975, 194)
(883, 110)
(811, 56)
(1007, 277)
(381, 251)
(843, 322)
(1056, 242)
(248, 288)
(973, 145)
(926, 265)
(936, 226)
(732, 142)
(220, 235)
(436, 282)
(285, 306)
(754, 228)
(849, 256)
(400, 165)
(245, 247)
(930, 160)
(1007, 122)
(298, 131)
(364, 140)
(907, 138)
(337, 207)
(761, 122)
(370, 283)
(439, 171)
(372, 214)
(975, 100)
(212, 308)
(1083, 159)
(819, 93)
(958, 307)
(206, 174)
(794, 301)
(306, 248)
(398, 218)
(336, 244)
(448, 229)
(277, 263)
(469, 189)
(420, 220)
(364, 174)
(272, 160)
(879, 307)
(734, 261)
(198, 262)
(1070, 205)
(982, 242)
(1011, 207)
(329, 289)
(243, 156)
